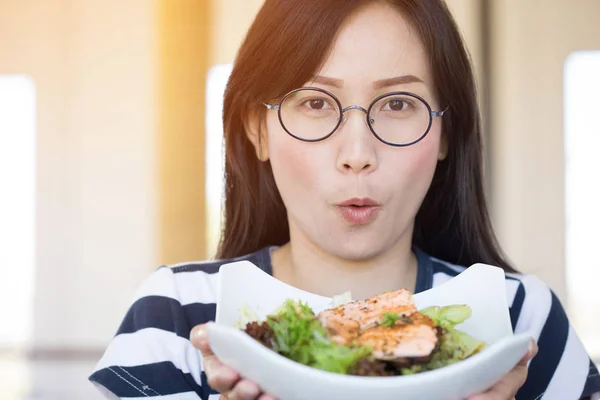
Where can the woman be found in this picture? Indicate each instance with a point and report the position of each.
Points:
(354, 162)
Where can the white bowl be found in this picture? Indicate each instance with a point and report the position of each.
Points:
(482, 287)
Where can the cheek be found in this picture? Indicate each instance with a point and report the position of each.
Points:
(424, 158)
(294, 163)
(414, 168)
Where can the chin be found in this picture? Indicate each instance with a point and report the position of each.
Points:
(355, 251)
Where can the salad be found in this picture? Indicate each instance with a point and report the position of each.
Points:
(384, 335)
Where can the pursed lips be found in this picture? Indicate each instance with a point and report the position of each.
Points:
(359, 211)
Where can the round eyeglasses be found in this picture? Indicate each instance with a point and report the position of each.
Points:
(397, 118)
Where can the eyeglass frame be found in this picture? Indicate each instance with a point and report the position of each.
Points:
(432, 114)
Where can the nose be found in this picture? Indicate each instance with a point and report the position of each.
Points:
(357, 152)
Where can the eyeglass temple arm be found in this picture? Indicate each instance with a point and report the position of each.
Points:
(439, 113)
(271, 106)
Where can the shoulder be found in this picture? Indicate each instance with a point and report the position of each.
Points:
(192, 282)
(260, 258)
(152, 340)
(179, 296)
(562, 368)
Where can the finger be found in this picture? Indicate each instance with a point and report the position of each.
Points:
(507, 387)
(512, 382)
(265, 396)
(199, 338)
(532, 351)
(219, 376)
(244, 390)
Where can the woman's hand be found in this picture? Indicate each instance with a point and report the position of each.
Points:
(222, 378)
(508, 387)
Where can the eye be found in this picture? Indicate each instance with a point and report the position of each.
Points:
(317, 104)
(397, 105)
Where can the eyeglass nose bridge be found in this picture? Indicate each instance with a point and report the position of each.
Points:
(355, 107)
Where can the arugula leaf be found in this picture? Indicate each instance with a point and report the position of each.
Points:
(389, 319)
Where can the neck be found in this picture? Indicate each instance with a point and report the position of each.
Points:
(304, 265)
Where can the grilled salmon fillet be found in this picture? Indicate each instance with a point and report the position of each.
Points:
(413, 335)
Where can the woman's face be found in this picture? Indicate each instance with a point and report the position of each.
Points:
(323, 183)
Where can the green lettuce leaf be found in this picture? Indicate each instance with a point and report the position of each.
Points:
(454, 345)
(448, 316)
(300, 336)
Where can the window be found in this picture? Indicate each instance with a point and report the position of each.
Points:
(582, 194)
(215, 152)
(17, 208)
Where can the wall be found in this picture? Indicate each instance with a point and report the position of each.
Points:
(184, 42)
(527, 145)
(229, 23)
(92, 63)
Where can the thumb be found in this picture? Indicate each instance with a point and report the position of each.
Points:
(199, 338)
(531, 353)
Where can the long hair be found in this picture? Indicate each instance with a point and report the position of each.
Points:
(284, 48)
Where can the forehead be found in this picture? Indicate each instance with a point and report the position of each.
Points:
(374, 43)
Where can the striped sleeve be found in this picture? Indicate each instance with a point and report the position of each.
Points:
(562, 368)
(151, 354)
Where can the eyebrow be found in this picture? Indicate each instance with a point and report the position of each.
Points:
(397, 80)
(325, 80)
(379, 84)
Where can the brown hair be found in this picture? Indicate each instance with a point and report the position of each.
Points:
(284, 48)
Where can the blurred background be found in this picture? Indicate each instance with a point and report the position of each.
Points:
(111, 160)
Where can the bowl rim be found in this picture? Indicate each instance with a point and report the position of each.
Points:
(275, 358)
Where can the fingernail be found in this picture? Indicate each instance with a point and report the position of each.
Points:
(530, 348)
(201, 333)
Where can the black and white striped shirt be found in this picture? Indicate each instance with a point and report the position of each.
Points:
(151, 355)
